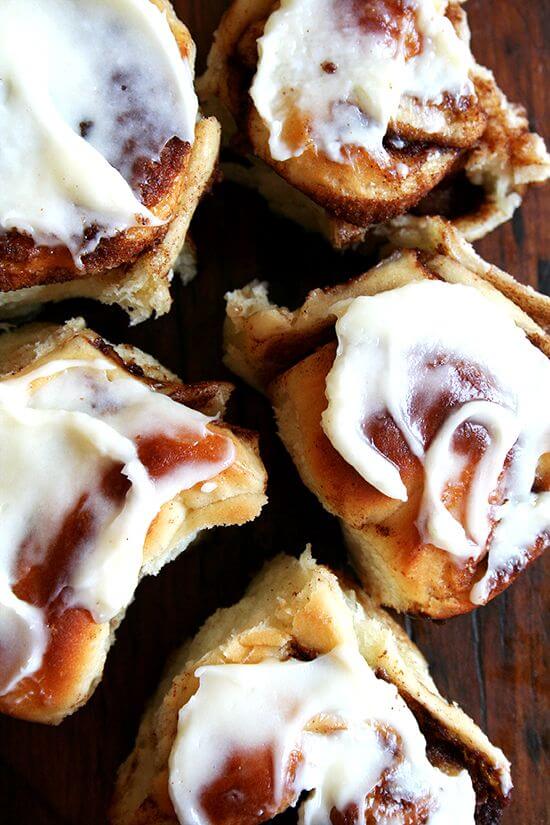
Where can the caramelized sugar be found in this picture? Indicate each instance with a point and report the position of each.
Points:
(392, 20)
(162, 454)
(430, 403)
(295, 127)
(382, 808)
(43, 571)
(244, 793)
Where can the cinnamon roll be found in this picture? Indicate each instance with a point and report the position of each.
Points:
(110, 468)
(365, 110)
(306, 694)
(413, 400)
(103, 152)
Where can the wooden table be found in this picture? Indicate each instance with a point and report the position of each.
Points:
(491, 662)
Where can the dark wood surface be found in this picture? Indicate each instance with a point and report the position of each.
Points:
(492, 662)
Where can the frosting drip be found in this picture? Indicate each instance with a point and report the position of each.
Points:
(256, 736)
(87, 90)
(89, 456)
(335, 72)
(469, 395)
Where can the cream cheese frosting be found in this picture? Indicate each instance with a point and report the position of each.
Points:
(86, 89)
(344, 67)
(72, 436)
(428, 338)
(348, 731)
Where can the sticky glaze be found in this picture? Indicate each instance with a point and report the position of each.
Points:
(89, 91)
(89, 455)
(334, 72)
(469, 395)
(258, 735)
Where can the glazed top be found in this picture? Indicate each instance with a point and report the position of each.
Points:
(469, 395)
(89, 456)
(88, 89)
(335, 73)
(254, 737)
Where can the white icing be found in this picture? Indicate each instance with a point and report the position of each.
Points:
(57, 65)
(62, 428)
(388, 349)
(240, 708)
(353, 105)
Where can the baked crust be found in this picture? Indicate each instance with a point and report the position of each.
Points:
(78, 645)
(289, 354)
(133, 267)
(296, 606)
(486, 145)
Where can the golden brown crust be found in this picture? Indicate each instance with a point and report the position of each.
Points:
(131, 268)
(289, 354)
(295, 607)
(487, 142)
(78, 646)
(361, 193)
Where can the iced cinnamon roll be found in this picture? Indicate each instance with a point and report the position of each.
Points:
(110, 468)
(305, 695)
(103, 152)
(368, 109)
(413, 401)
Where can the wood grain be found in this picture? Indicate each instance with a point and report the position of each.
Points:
(492, 662)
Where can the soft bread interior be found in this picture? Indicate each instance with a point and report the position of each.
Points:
(238, 497)
(298, 605)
